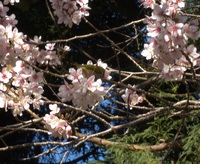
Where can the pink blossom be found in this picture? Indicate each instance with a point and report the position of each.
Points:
(65, 92)
(82, 2)
(20, 104)
(180, 3)
(51, 58)
(148, 51)
(3, 10)
(75, 74)
(5, 76)
(3, 87)
(70, 6)
(84, 10)
(191, 29)
(148, 3)
(177, 72)
(101, 64)
(69, 12)
(76, 17)
(11, 20)
(182, 61)
(18, 81)
(107, 75)
(7, 31)
(130, 97)
(25, 102)
(17, 38)
(175, 28)
(66, 48)
(37, 39)
(173, 72)
(93, 85)
(50, 46)
(158, 13)
(17, 110)
(57, 5)
(62, 17)
(57, 127)
(191, 51)
(68, 131)
(36, 89)
(37, 102)
(54, 108)
(84, 91)
(170, 33)
(36, 77)
(154, 29)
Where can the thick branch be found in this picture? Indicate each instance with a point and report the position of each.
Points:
(157, 147)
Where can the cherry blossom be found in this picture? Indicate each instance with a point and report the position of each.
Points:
(180, 3)
(84, 91)
(154, 29)
(148, 51)
(191, 52)
(76, 17)
(36, 77)
(54, 108)
(191, 30)
(84, 10)
(159, 12)
(169, 44)
(66, 48)
(50, 46)
(57, 127)
(75, 75)
(24, 89)
(3, 10)
(65, 92)
(70, 11)
(82, 2)
(131, 97)
(5, 75)
(148, 3)
(37, 39)
(70, 6)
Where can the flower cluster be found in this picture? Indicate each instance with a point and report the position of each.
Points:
(169, 33)
(70, 11)
(131, 97)
(57, 127)
(12, 44)
(20, 85)
(84, 89)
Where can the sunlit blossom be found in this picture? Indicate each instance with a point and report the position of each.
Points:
(57, 127)
(70, 12)
(131, 97)
(170, 33)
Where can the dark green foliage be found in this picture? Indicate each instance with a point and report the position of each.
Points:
(122, 156)
(191, 148)
(184, 132)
